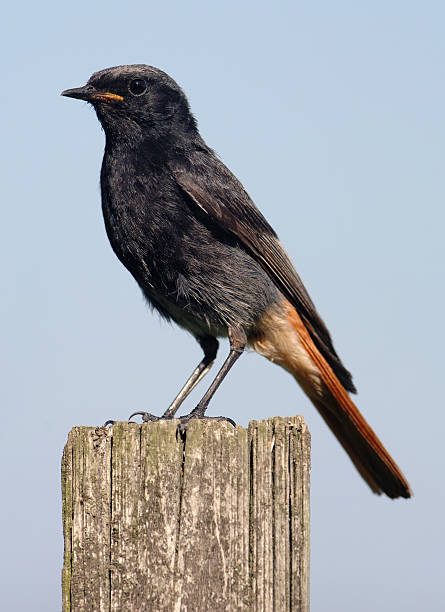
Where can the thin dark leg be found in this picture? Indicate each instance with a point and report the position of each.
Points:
(238, 342)
(209, 345)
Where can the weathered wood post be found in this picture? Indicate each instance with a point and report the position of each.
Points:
(214, 520)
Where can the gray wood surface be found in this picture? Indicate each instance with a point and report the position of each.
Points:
(215, 519)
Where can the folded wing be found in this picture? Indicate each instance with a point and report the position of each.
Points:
(226, 203)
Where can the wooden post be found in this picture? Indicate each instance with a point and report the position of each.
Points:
(216, 519)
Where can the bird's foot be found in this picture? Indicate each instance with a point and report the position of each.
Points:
(147, 417)
(185, 420)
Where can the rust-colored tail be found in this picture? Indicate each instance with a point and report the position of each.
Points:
(302, 359)
(368, 454)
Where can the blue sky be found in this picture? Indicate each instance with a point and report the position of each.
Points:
(331, 114)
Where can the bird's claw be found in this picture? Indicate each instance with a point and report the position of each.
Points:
(185, 420)
(147, 417)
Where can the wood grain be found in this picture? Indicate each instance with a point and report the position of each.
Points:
(214, 519)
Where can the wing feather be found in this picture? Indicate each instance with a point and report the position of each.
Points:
(209, 184)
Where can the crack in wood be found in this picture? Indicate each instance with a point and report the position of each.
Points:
(215, 518)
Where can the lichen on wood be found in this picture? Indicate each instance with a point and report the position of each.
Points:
(214, 519)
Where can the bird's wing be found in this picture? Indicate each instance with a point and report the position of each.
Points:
(208, 183)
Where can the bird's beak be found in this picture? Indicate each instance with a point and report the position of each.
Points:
(90, 94)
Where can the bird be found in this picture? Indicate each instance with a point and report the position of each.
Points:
(206, 258)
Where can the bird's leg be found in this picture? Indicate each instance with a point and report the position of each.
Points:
(209, 345)
(238, 341)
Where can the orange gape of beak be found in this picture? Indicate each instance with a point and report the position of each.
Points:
(107, 97)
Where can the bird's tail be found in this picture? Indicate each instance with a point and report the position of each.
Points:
(282, 337)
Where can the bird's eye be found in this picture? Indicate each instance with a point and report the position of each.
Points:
(137, 87)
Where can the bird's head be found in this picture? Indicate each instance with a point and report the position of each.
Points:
(138, 101)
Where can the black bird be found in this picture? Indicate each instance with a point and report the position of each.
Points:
(206, 258)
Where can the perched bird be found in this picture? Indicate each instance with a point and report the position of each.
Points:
(206, 258)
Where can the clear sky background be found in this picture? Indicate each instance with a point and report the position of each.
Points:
(332, 115)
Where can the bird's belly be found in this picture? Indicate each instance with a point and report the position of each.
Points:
(197, 324)
(203, 281)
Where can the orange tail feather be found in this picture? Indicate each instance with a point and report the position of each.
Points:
(368, 454)
(276, 340)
